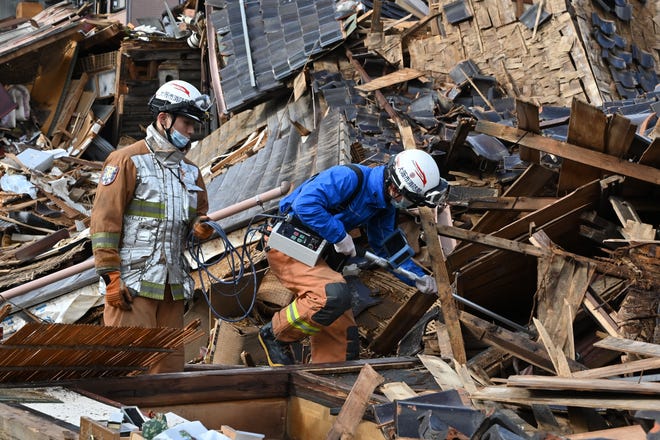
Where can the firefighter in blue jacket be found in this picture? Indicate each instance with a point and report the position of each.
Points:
(331, 204)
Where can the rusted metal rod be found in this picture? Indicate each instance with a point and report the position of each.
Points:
(88, 264)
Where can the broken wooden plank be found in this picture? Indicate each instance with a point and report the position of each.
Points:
(49, 85)
(35, 248)
(445, 290)
(397, 391)
(489, 240)
(632, 432)
(579, 384)
(620, 369)
(74, 92)
(442, 372)
(529, 183)
(579, 199)
(517, 344)
(353, 409)
(563, 282)
(252, 141)
(463, 128)
(570, 151)
(629, 346)
(511, 203)
(420, 24)
(620, 135)
(402, 321)
(603, 318)
(526, 397)
(556, 355)
(401, 75)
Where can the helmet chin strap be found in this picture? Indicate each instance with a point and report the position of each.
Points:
(168, 130)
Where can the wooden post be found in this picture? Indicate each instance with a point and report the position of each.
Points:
(449, 309)
(351, 412)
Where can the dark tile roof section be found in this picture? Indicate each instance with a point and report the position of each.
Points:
(281, 38)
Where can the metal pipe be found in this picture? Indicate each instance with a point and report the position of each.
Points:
(88, 264)
(252, 202)
(246, 39)
(493, 315)
(382, 262)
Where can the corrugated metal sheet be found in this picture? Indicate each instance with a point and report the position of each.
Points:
(51, 352)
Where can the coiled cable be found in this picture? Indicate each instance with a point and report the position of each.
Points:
(240, 264)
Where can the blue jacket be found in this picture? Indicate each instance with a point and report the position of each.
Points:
(317, 200)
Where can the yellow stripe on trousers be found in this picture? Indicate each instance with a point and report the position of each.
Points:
(294, 319)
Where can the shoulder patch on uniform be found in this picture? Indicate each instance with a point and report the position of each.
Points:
(109, 174)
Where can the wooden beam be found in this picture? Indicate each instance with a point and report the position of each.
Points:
(620, 369)
(445, 290)
(517, 344)
(629, 346)
(420, 24)
(353, 409)
(399, 76)
(526, 397)
(601, 316)
(511, 203)
(489, 240)
(528, 119)
(576, 384)
(579, 199)
(569, 151)
(529, 183)
(376, 21)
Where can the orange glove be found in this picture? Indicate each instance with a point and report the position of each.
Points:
(201, 229)
(116, 292)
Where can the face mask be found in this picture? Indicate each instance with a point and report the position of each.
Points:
(178, 140)
(401, 204)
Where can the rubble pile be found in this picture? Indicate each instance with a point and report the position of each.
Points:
(543, 118)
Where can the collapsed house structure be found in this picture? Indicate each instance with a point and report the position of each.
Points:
(543, 118)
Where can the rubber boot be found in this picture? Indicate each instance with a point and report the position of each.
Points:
(278, 353)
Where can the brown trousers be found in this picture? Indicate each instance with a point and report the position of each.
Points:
(151, 313)
(328, 343)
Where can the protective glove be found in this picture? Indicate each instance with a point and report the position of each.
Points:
(202, 230)
(116, 292)
(346, 246)
(427, 284)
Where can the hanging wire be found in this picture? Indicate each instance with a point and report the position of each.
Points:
(239, 262)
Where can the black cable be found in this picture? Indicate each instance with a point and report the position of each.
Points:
(236, 261)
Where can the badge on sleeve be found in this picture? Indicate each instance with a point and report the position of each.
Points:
(109, 174)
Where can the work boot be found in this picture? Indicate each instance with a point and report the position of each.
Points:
(278, 353)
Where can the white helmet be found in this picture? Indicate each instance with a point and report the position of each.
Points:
(180, 98)
(416, 176)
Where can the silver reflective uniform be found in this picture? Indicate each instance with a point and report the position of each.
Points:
(157, 221)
